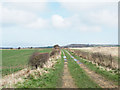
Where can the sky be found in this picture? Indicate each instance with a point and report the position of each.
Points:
(45, 23)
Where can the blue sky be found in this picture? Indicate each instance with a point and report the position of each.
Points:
(48, 23)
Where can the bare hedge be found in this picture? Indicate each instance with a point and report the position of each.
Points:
(99, 58)
(55, 51)
(37, 59)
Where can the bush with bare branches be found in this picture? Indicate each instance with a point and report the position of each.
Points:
(37, 59)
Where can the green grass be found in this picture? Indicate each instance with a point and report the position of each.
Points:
(47, 80)
(13, 58)
(107, 74)
(79, 75)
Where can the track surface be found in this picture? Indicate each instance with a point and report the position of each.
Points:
(101, 81)
(67, 80)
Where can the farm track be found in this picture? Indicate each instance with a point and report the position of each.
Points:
(101, 81)
(67, 80)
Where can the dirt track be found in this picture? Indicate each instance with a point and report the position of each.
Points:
(101, 81)
(67, 78)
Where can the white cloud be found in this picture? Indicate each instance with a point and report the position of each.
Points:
(102, 13)
(59, 22)
(24, 1)
(73, 23)
(87, 1)
(29, 6)
(23, 14)
(89, 20)
(16, 16)
(39, 23)
(90, 28)
(88, 6)
(105, 18)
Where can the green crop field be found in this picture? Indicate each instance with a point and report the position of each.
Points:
(14, 60)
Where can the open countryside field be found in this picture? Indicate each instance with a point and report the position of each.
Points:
(15, 60)
(63, 69)
(104, 50)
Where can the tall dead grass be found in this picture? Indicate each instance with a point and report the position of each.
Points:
(101, 59)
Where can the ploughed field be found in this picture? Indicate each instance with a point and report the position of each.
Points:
(15, 60)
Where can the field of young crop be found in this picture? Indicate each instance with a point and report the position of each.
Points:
(15, 60)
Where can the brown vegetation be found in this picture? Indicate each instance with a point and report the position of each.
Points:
(37, 59)
(55, 51)
(113, 51)
(104, 60)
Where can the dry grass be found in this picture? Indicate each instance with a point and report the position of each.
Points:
(106, 60)
(104, 50)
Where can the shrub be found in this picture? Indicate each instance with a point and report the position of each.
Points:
(37, 59)
(56, 47)
(54, 52)
(19, 48)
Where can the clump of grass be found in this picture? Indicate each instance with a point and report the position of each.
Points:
(79, 75)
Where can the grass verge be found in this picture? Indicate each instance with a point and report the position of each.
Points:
(107, 74)
(79, 75)
(47, 80)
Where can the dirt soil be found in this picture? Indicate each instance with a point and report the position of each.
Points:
(101, 81)
(67, 80)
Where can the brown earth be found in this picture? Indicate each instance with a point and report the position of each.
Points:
(67, 80)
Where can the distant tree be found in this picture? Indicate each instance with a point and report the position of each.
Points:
(19, 48)
(11, 48)
(56, 46)
(31, 47)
